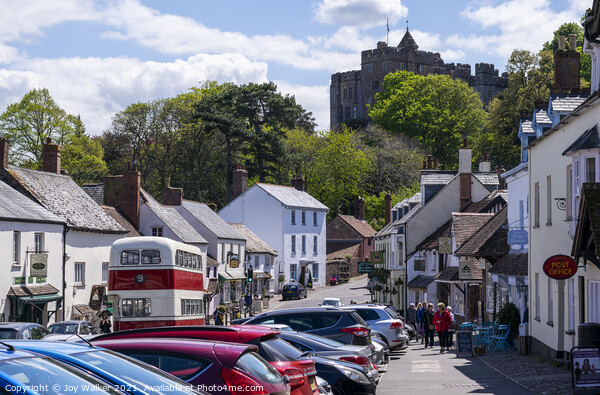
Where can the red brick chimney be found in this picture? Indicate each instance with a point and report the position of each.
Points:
(464, 170)
(298, 183)
(359, 208)
(123, 193)
(388, 208)
(566, 67)
(4, 145)
(51, 157)
(240, 181)
(172, 196)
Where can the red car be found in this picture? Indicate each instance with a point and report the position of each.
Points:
(216, 367)
(288, 360)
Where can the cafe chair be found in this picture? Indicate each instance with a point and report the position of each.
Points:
(499, 340)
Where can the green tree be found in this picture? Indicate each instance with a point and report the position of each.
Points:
(339, 169)
(82, 156)
(436, 110)
(30, 121)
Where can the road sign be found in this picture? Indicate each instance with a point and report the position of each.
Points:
(518, 236)
(365, 267)
(560, 267)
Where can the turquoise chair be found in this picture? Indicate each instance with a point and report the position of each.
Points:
(499, 340)
(466, 326)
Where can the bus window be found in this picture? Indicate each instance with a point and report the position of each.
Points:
(179, 258)
(136, 307)
(130, 257)
(150, 256)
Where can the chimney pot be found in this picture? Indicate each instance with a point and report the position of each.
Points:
(4, 148)
(464, 158)
(388, 208)
(425, 164)
(240, 180)
(465, 143)
(561, 43)
(298, 183)
(436, 165)
(572, 42)
(48, 140)
(430, 161)
(485, 156)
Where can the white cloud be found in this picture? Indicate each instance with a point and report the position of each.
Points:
(523, 24)
(361, 13)
(313, 98)
(98, 88)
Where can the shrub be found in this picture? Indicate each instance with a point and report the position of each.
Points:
(509, 314)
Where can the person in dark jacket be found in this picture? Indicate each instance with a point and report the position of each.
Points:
(105, 324)
(421, 309)
(428, 325)
(411, 317)
(442, 322)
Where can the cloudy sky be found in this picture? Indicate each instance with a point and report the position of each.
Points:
(98, 56)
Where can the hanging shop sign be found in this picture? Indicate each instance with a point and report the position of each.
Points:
(560, 267)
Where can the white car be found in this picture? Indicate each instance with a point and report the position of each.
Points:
(331, 302)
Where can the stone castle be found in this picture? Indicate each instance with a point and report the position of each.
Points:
(352, 91)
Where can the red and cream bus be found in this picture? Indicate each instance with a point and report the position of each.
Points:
(155, 281)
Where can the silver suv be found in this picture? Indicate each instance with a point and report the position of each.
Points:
(385, 322)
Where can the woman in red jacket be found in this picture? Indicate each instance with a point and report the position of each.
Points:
(442, 321)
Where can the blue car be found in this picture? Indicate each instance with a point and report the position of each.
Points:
(127, 374)
(25, 372)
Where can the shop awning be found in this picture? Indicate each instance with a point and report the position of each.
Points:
(34, 293)
(420, 282)
(82, 309)
(40, 298)
(231, 274)
(262, 275)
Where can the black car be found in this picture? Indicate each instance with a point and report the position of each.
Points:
(343, 325)
(22, 330)
(344, 377)
(293, 291)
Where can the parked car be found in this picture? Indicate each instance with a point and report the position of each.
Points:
(205, 364)
(289, 361)
(25, 372)
(343, 325)
(344, 377)
(332, 302)
(293, 291)
(22, 330)
(71, 327)
(388, 325)
(328, 348)
(127, 374)
(382, 351)
(324, 387)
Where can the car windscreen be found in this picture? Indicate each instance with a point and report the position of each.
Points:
(276, 349)
(391, 313)
(290, 288)
(46, 376)
(256, 366)
(63, 328)
(330, 303)
(143, 377)
(9, 333)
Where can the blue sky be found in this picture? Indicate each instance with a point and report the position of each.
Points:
(98, 56)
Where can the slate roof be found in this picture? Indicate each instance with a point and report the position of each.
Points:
(408, 41)
(359, 225)
(448, 274)
(444, 177)
(465, 225)
(172, 219)
(511, 264)
(392, 227)
(32, 290)
(540, 117)
(62, 196)
(487, 178)
(211, 220)
(95, 191)
(526, 126)
(116, 215)
(421, 281)
(17, 207)
(432, 241)
(211, 261)
(494, 198)
(254, 244)
(589, 139)
(341, 254)
(566, 103)
(292, 197)
(490, 239)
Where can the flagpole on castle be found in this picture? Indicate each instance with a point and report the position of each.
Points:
(387, 24)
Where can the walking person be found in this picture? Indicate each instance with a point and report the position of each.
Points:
(418, 323)
(105, 324)
(428, 325)
(452, 325)
(411, 318)
(442, 322)
(420, 317)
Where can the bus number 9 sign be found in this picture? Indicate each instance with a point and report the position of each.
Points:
(560, 267)
(140, 278)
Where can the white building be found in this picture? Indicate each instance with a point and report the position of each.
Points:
(90, 230)
(290, 221)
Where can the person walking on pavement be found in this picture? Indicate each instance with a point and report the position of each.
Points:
(429, 326)
(248, 302)
(442, 322)
(451, 329)
(411, 318)
(420, 317)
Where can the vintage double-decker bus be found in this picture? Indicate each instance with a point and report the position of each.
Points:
(155, 281)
